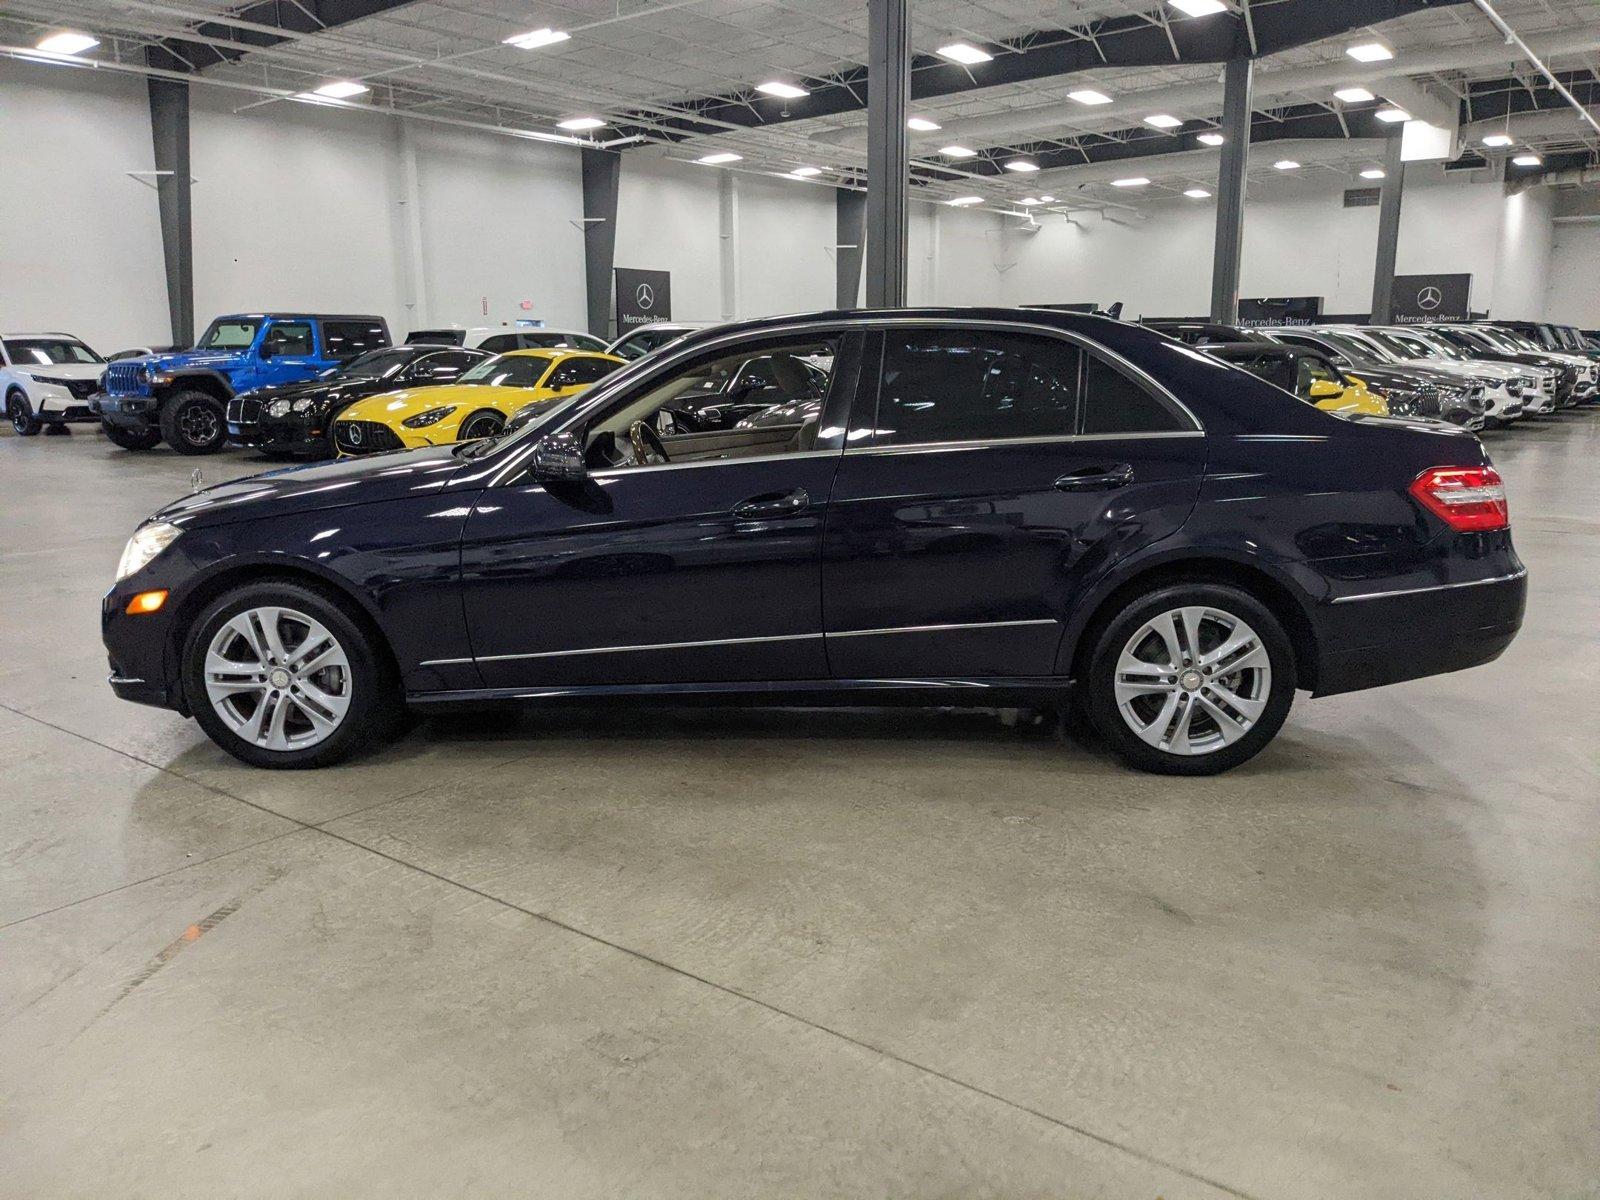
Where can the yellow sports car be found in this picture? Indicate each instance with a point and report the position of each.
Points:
(476, 405)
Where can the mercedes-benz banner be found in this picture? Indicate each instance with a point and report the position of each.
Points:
(1419, 298)
(642, 298)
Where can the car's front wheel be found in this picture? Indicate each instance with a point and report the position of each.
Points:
(1191, 679)
(129, 438)
(280, 675)
(194, 422)
(481, 425)
(20, 413)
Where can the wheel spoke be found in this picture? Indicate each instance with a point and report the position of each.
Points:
(313, 653)
(1166, 628)
(1177, 739)
(1192, 618)
(266, 621)
(275, 738)
(1250, 710)
(1228, 725)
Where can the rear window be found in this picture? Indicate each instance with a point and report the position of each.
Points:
(1117, 403)
(346, 339)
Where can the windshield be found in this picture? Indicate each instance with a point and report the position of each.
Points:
(508, 370)
(376, 364)
(1442, 346)
(1497, 340)
(231, 333)
(1362, 347)
(43, 352)
(1519, 343)
(1394, 345)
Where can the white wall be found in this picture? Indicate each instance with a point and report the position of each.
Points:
(1573, 296)
(667, 220)
(1523, 260)
(82, 246)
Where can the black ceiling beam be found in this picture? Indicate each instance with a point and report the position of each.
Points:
(295, 20)
(1115, 42)
(1491, 98)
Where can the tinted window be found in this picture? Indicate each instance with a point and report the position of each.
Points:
(957, 385)
(587, 370)
(444, 366)
(377, 364)
(499, 343)
(436, 337)
(1114, 403)
(509, 370)
(346, 339)
(290, 338)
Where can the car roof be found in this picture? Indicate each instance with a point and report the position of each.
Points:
(295, 313)
(43, 334)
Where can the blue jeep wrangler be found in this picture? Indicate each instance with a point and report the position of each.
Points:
(182, 397)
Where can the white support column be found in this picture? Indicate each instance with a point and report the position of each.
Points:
(728, 229)
(413, 273)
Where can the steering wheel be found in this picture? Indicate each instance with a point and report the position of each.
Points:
(646, 442)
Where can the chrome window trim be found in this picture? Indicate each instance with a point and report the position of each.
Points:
(604, 391)
(1432, 587)
(1039, 440)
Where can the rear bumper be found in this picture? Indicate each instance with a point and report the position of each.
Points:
(1372, 639)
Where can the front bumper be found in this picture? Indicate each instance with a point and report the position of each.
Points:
(56, 405)
(133, 412)
(293, 435)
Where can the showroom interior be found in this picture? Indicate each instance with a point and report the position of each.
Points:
(754, 945)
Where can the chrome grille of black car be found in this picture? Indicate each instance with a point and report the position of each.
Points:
(365, 437)
(243, 411)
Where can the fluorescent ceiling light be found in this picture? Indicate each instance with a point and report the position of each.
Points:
(1370, 52)
(1089, 96)
(964, 52)
(1354, 95)
(1198, 194)
(1498, 139)
(1211, 139)
(1135, 181)
(1528, 160)
(1047, 199)
(1392, 115)
(535, 38)
(963, 201)
(67, 42)
(579, 124)
(1022, 164)
(805, 172)
(1030, 201)
(958, 152)
(1163, 121)
(1373, 173)
(1199, 8)
(922, 124)
(1286, 164)
(721, 156)
(789, 91)
(341, 89)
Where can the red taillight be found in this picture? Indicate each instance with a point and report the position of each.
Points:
(1468, 499)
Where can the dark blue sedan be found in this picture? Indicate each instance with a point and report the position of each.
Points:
(980, 507)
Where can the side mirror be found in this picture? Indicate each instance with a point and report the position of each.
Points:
(558, 458)
(1325, 389)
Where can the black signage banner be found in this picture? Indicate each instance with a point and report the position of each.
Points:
(1280, 310)
(1419, 298)
(642, 298)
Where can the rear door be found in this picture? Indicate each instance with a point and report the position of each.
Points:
(1000, 471)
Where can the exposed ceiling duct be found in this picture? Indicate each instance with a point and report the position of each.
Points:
(1203, 163)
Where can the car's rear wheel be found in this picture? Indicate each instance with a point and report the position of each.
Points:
(1192, 679)
(194, 422)
(279, 675)
(131, 439)
(481, 425)
(20, 413)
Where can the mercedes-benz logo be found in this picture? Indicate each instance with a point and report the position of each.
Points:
(644, 296)
(1429, 298)
(355, 435)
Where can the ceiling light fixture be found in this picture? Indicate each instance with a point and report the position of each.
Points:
(1134, 181)
(579, 124)
(1373, 173)
(1022, 165)
(1163, 121)
(805, 172)
(1047, 199)
(67, 42)
(1030, 201)
(1211, 139)
(1198, 194)
(1498, 140)
(1392, 115)
(964, 53)
(964, 201)
(788, 91)
(535, 38)
(922, 124)
(1089, 96)
(1370, 52)
(1354, 95)
(1199, 8)
(1528, 160)
(341, 89)
(1286, 164)
(958, 152)
(720, 157)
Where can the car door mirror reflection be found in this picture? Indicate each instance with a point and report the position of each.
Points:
(558, 458)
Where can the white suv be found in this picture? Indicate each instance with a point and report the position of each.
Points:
(497, 339)
(46, 379)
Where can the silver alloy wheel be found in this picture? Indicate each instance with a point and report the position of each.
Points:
(1193, 680)
(278, 678)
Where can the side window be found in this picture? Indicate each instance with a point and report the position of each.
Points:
(564, 375)
(290, 339)
(1115, 403)
(587, 370)
(958, 385)
(499, 343)
(346, 339)
(442, 367)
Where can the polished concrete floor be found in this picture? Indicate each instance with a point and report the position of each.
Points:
(704, 954)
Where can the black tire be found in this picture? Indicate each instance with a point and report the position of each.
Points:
(20, 413)
(483, 424)
(375, 710)
(129, 438)
(1097, 694)
(194, 422)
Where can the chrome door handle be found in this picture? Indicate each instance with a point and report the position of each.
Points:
(787, 504)
(1096, 479)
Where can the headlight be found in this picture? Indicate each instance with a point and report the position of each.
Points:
(305, 404)
(432, 417)
(277, 408)
(142, 374)
(144, 545)
(45, 379)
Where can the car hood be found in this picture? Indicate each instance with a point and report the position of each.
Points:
(1478, 368)
(389, 407)
(333, 389)
(1404, 377)
(61, 370)
(322, 485)
(188, 360)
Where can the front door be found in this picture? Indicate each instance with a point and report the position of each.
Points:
(681, 559)
(289, 353)
(1001, 473)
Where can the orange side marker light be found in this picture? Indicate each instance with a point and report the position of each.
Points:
(147, 602)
